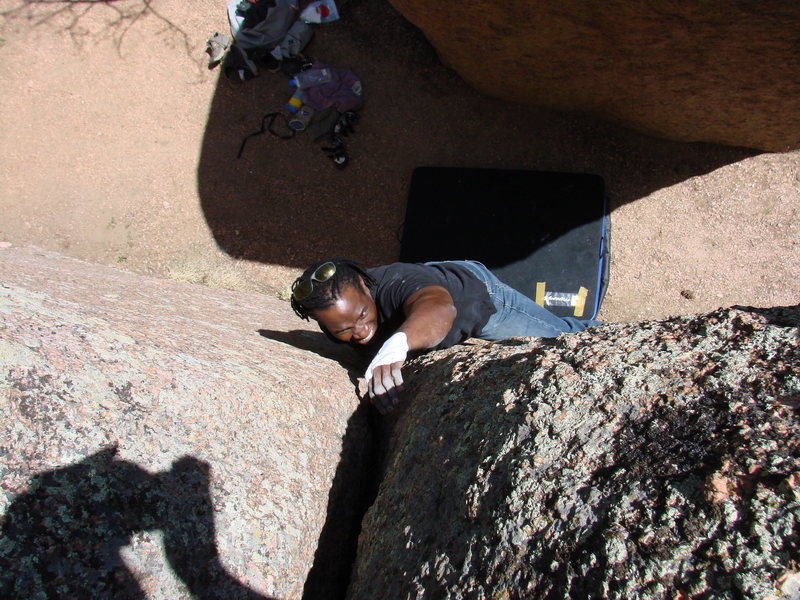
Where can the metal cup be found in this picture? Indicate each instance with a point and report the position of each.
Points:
(301, 118)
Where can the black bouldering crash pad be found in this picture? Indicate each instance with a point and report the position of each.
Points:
(546, 234)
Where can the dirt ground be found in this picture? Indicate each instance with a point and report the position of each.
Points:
(119, 146)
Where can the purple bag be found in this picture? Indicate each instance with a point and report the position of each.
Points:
(343, 91)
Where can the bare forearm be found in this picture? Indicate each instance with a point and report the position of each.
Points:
(429, 329)
(429, 318)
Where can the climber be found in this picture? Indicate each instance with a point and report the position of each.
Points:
(401, 308)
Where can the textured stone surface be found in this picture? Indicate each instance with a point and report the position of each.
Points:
(690, 71)
(153, 442)
(641, 460)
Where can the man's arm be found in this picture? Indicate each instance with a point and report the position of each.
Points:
(429, 313)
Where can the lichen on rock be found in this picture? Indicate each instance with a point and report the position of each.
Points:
(644, 460)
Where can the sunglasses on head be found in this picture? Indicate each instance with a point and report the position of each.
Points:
(301, 289)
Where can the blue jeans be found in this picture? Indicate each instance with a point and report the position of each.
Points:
(517, 315)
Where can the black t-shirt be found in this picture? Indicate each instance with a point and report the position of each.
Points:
(396, 282)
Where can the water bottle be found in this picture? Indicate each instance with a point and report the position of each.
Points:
(311, 77)
(295, 102)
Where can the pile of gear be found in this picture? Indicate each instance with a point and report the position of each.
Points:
(270, 35)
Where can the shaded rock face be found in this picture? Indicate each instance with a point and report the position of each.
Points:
(642, 460)
(153, 443)
(688, 71)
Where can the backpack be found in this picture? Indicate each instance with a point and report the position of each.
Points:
(262, 23)
(264, 32)
(342, 92)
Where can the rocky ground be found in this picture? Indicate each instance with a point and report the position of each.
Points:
(120, 147)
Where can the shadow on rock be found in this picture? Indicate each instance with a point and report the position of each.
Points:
(354, 487)
(784, 316)
(320, 344)
(62, 539)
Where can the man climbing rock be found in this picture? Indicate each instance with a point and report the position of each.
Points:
(401, 308)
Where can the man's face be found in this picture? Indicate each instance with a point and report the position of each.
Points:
(353, 317)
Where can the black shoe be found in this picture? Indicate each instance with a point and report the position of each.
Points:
(345, 124)
(337, 152)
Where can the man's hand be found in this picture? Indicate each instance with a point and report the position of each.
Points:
(383, 376)
(385, 386)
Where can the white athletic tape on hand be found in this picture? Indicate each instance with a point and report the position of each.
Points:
(395, 349)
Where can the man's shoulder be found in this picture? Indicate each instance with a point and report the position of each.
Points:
(396, 271)
(434, 272)
(395, 282)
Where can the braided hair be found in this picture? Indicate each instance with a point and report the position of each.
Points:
(325, 293)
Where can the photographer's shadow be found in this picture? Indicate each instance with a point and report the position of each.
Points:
(62, 539)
